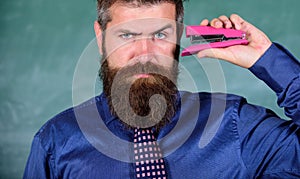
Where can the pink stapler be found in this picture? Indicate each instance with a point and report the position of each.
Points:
(204, 37)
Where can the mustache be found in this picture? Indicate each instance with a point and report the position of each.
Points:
(149, 68)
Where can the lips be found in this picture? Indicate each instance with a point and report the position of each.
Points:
(143, 75)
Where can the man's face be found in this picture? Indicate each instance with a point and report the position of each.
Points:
(141, 34)
(140, 44)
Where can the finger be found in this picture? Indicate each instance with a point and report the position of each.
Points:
(204, 22)
(227, 23)
(217, 23)
(237, 21)
(240, 24)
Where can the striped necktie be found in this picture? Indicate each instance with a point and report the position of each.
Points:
(147, 155)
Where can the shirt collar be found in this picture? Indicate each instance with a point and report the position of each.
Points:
(109, 117)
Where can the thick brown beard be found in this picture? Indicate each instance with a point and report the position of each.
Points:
(118, 89)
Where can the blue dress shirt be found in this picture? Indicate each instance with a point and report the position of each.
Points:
(212, 135)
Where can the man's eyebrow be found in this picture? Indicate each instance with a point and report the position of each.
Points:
(126, 31)
(168, 26)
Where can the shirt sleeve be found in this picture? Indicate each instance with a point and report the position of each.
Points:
(280, 70)
(270, 145)
(38, 165)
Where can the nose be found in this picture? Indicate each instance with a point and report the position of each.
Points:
(144, 49)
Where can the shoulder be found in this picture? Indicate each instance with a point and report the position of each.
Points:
(237, 103)
(222, 107)
(232, 110)
(212, 97)
(65, 125)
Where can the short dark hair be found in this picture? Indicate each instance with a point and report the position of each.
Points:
(104, 15)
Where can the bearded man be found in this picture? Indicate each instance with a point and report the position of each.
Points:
(141, 126)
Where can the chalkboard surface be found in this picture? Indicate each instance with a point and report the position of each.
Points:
(42, 42)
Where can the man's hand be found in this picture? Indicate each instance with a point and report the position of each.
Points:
(241, 55)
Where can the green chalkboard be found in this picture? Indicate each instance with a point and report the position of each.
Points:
(42, 42)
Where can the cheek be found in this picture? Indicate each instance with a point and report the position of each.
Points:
(118, 53)
(119, 57)
(166, 47)
(167, 54)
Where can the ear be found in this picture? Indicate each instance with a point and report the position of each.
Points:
(98, 33)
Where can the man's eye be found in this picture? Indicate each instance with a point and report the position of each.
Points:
(126, 36)
(160, 35)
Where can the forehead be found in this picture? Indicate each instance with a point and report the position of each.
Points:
(122, 14)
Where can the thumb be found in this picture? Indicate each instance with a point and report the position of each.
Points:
(238, 55)
(212, 53)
